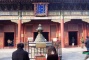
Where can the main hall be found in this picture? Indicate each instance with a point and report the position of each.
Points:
(62, 19)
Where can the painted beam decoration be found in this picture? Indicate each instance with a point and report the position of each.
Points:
(40, 9)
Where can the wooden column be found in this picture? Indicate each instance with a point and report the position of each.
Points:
(84, 31)
(85, 25)
(19, 31)
(62, 30)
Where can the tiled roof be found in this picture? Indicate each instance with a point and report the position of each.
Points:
(53, 4)
(50, 1)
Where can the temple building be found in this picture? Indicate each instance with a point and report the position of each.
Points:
(62, 19)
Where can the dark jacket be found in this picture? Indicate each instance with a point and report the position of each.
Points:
(52, 57)
(87, 43)
(20, 54)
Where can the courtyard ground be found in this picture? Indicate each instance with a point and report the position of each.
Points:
(67, 53)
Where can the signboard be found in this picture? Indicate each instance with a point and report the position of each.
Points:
(30, 39)
(40, 9)
(40, 45)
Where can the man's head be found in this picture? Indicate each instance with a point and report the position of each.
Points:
(52, 50)
(20, 45)
(87, 37)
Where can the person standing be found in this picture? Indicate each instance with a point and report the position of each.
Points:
(20, 53)
(87, 43)
(52, 53)
(73, 41)
(87, 46)
(9, 42)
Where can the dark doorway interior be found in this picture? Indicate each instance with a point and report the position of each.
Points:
(8, 35)
(45, 34)
(73, 34)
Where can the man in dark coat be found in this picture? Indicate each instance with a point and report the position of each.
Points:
(20, 54)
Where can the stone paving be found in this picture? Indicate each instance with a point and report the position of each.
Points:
(6, 54)
(67, 53)
(73, 53)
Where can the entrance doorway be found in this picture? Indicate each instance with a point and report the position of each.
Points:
(72, 34)
(10, 36)
(45, 34)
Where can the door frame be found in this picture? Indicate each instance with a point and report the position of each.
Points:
(13, 39)
(76, 38)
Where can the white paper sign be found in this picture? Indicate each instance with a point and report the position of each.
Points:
(54, 39)
(30, 38)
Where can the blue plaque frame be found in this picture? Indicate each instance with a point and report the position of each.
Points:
(40, 9)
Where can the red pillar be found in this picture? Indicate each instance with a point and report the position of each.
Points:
(19, 31)
(86, 33)
(62, 32)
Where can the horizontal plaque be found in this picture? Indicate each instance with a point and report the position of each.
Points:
(40, 9)
(40, 45)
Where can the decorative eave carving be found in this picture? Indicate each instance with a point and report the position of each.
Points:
(76, 17)
(83, 18)
(56, 20)
(15, 21)
(24, 21)
(67, 20)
